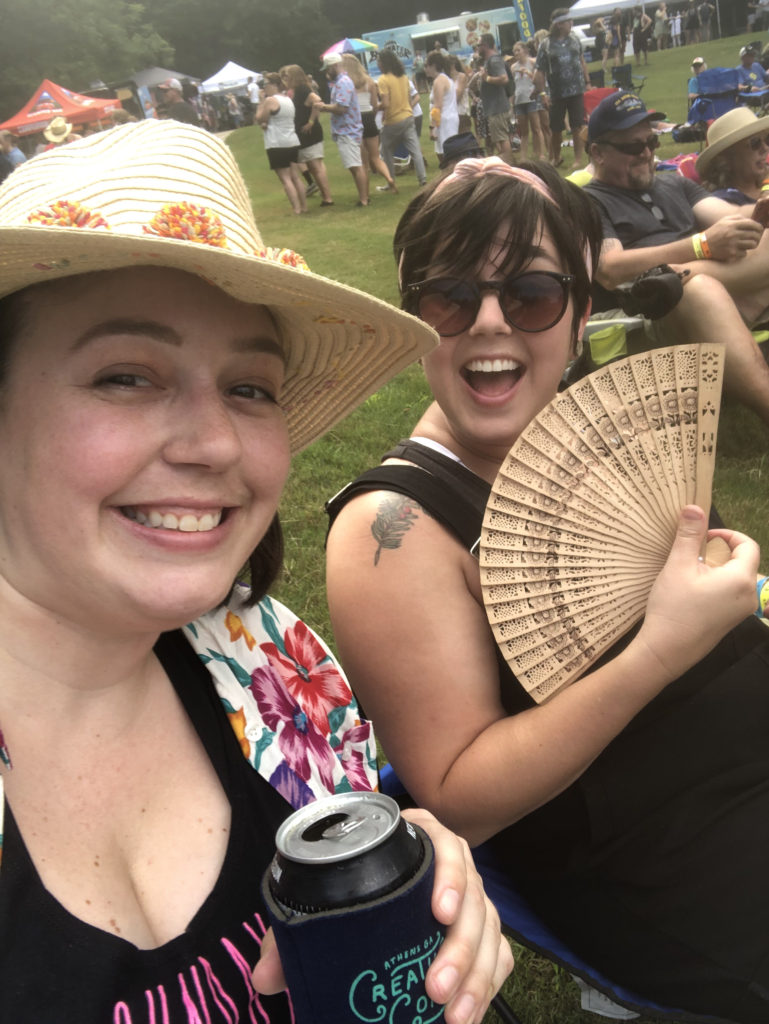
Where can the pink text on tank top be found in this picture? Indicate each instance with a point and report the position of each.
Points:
(202, 994)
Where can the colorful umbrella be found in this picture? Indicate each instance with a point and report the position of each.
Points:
(350, 46)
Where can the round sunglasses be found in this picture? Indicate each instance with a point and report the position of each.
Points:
(531, 302)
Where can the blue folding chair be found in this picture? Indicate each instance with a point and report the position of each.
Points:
(718, 94)
(600, 994)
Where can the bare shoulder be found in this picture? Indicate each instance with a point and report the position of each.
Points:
(385, 529)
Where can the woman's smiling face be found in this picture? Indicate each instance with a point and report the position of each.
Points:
(493, 379)
(144, 450)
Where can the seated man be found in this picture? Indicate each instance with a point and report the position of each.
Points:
(733, 165)
(692, 88)
(750, 73)
(650, 219)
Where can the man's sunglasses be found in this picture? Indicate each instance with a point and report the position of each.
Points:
(531, 302)
(634, 148)
(758, 141)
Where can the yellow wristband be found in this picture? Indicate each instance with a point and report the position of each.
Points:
(698, 250)
(765, 185)
(762, 589)
(705, 247)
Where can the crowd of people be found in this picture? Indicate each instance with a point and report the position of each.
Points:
(679, 25)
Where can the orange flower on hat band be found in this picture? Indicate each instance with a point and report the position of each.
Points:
(67, 214)
(188, 222)
(287, 257)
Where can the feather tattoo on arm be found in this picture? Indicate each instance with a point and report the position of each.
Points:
(394, 517)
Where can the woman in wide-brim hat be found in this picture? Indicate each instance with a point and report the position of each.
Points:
(159, 366)
(733, 165)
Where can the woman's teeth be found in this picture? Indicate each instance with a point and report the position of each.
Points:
(187, 523)
(491, 365)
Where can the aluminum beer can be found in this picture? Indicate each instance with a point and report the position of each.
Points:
(348, 893)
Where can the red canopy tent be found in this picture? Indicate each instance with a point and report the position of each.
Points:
(51, 100)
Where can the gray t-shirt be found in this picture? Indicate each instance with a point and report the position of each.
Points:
(494, 97)
(664, 213)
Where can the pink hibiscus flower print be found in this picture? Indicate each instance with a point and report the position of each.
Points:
(353, 759)
(301, 744)
(310, 675)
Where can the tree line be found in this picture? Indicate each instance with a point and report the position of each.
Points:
(79, 42)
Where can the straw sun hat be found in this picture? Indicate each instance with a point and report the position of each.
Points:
(733, 126)
(166, 194)
(58, 130)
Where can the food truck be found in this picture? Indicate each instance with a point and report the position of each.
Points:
(457, 35)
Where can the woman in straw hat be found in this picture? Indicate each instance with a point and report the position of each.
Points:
(159, 367)
(631, 809)
(733, 165)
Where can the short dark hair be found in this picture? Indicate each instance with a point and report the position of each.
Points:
(390, 63)
(265, 561)
(488, 40)
(456, 224)
(439, 60)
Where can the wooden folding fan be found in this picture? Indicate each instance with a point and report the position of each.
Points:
(584, 510)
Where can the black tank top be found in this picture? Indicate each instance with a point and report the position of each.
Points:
(55, 969)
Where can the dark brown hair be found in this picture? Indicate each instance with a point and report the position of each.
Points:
(436, 59)
(456, 224)
(390, 64)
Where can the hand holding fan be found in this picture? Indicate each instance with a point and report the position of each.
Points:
(584, 510)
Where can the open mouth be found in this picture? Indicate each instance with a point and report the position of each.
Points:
(492, 377)
(187, 522)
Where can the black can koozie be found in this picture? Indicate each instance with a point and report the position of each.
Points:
(348, 894)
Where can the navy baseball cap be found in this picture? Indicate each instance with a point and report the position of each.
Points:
(617, 112)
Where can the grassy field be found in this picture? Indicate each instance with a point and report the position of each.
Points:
(354, 245)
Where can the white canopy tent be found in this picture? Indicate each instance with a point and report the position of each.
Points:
(599, 8)
(229, 78)
(583, 9)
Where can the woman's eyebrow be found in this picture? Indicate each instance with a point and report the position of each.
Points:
(169, 336)
(128, 325)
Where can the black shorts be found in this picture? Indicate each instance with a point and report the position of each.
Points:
(575, 105)
(370, 130)
(284, 157)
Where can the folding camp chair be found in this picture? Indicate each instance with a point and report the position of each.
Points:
(718, 94)
(599, 995)
(758, 99)
(622, 78)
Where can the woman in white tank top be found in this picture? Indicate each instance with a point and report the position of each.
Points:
(444, 116)
(276, 116)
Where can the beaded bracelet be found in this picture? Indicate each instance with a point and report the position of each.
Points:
(762, 590)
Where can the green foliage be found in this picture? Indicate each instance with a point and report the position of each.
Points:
(73, 44)
(256, 33)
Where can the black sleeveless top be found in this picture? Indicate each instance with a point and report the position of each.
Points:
(55, 969)
(653, 864)
(302, 116)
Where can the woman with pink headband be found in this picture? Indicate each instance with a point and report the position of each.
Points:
(617, 808)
